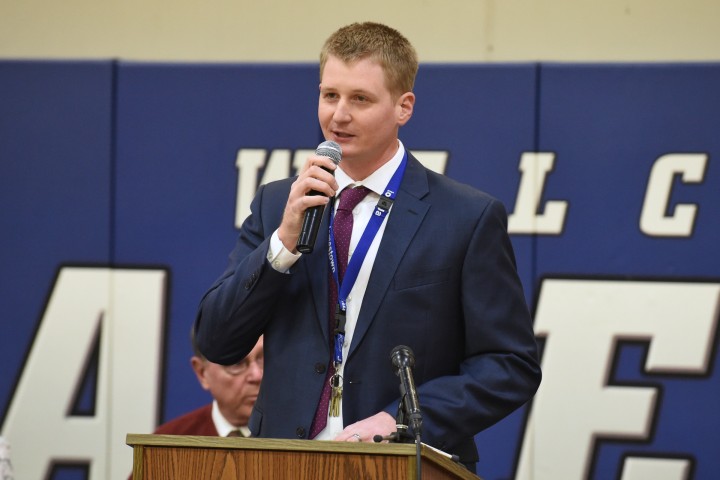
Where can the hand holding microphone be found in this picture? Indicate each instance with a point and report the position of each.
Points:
(313, 215)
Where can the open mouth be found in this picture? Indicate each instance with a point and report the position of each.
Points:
(342, 134)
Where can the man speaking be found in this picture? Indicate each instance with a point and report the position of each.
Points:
(404, 256)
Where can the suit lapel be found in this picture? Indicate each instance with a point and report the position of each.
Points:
(408, 212)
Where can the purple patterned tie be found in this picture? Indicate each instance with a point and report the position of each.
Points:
(342, 230)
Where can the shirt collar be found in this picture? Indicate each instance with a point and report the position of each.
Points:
(378, 180)
(222, 426)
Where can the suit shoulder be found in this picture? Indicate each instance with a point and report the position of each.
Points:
(461, 193)
(277, 186)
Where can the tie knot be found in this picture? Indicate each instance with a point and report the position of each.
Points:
(350, 197)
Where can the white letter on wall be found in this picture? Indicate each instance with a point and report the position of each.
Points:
(435, 160)
(525, 218)
(249, 162)
(128, 307)
(653, 219)
(582, 321)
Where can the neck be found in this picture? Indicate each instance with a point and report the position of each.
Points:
(361, 168)
(360, 172)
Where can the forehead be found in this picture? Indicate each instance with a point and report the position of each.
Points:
(257, 351)
(362, 74)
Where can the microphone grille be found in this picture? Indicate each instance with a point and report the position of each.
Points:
(331, 150)
(402, 356)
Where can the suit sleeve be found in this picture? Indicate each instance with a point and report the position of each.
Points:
(235, 310)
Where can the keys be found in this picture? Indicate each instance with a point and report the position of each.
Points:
(335, 395)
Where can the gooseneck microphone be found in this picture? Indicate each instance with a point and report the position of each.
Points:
(313, 215)
(403, 360)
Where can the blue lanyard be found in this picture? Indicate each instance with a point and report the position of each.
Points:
(381, 210)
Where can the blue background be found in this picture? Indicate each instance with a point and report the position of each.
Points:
(133, 164)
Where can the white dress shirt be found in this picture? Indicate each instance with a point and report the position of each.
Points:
(223, 426)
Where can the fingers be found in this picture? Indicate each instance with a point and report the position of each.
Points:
(313, 188)
(364, 430)
(315, 179)
(319, 161)
(346, 436)
(318, 175)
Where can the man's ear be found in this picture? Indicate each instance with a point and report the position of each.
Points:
(405, 105)
(198, 366)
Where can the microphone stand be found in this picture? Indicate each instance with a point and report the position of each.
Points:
(409, 408)
(402, 435)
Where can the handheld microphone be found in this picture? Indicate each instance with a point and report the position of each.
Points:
(313, 215)
(403, 360)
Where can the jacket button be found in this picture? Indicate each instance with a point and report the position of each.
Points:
(300, 432)
(251, 281)
(320, 367)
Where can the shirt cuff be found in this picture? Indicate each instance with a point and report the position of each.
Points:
(280, 258)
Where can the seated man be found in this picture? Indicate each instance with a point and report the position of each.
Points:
(234, 389)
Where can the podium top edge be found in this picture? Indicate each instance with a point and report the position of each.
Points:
(240, 443)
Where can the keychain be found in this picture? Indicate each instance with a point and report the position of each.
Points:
(336, 395)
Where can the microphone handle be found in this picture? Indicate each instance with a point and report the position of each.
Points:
(311, 225)
(412, 405)
(310, 229)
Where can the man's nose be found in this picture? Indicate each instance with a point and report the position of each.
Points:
(342, 111)
(255, 371)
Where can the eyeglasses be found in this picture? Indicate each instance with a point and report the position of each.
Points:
(243, 366)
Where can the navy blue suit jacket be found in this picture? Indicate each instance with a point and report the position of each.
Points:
(444, 283)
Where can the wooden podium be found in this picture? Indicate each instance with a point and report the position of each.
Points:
(179, 457)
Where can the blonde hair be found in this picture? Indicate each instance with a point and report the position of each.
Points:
(383, 44)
